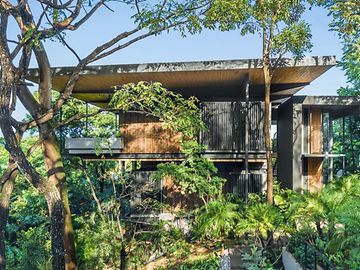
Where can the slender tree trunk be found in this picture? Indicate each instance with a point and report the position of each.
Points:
(92, 189)
(9, 177)
(123, 259)
(267, 129)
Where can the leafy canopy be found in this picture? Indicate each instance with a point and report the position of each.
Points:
(346, 22)
(273, 19)
(176, 112)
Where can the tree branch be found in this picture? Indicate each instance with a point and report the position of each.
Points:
(61, 38)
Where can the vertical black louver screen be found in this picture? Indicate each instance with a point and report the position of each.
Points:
(226, 126)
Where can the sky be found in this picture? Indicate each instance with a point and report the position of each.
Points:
(171, 47)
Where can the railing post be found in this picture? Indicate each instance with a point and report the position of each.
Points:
(86, 119)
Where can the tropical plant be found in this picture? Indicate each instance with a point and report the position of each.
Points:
(216, 220)
(210, 263)
(195, 175)
(255, 260)
(260, 221)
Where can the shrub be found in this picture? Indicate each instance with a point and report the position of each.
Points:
(97, 244)
(31, 250)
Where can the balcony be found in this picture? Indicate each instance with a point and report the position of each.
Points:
(94, 146)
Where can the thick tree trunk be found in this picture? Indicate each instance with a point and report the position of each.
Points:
(267, 130)
(56, 211)
(51, 152)
(52, 155)
(56, 176)
(6, 190)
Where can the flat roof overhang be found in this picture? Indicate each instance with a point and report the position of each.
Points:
(205, 79)
(339, 106)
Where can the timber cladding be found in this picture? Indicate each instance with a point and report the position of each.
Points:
(177, 200)
(314, 173)
(145, 134)
(316, 136)
(314, 164)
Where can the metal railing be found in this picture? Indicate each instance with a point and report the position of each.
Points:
(312, 258)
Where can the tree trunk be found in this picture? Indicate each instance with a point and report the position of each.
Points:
(56, 212)
(267, 130)
(56, 177)
(55, 171)
(49, 189)
(123, 259)
(51, 152)
(7, 187)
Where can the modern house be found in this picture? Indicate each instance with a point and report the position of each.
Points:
(231, 95)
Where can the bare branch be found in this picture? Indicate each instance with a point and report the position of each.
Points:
(54, 5)
(124, 45)
(12, 41)
(88, 15)
(61, 38)
(75, 75)
(16, 50)
(92, 189)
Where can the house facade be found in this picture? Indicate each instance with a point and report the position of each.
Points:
(231, 95)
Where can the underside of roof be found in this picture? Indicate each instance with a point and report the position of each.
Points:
(205, 80)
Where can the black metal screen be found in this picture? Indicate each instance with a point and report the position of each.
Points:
(226, 126)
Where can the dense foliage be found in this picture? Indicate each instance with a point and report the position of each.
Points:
(99, 191)
(346, 23)
(330, 221)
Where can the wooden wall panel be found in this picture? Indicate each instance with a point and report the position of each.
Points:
(314, 174)
(316, 137)
(175, 199)
(144, 134)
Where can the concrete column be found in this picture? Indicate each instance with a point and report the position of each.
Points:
(297, 147)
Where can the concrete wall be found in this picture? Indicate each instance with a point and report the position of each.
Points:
(289, 261)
